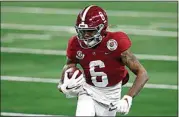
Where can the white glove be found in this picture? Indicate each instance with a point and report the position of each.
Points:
(72, 86)
(124, 104)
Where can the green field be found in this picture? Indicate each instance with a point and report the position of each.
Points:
(151, 26)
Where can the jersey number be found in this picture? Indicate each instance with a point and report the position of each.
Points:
(94, 75)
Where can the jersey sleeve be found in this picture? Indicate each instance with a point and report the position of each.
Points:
(70, 52)
(124, 42)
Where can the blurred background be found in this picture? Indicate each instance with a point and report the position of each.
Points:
(34, 37)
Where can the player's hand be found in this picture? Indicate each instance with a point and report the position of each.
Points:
(124, 105)
(72, 86)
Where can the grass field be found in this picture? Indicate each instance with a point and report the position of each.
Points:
(34, 37)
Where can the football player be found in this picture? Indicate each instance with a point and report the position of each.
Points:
(103, 56)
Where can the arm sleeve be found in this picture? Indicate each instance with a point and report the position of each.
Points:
(124, 42)
(70, 51)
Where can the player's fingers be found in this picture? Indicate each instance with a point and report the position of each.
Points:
(80, 79)
(81, 76)
(126, 109)
(123, 109)
(75, 74)
(126, 112)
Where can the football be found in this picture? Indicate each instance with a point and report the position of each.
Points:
(71, 72)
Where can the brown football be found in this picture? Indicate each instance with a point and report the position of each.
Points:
(71, 72)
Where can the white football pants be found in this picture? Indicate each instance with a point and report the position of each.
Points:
(86, 106)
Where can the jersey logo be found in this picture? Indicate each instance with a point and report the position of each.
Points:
(112, 107)
(68, 88)
(79, 55)
(76, 87)
(112, 44)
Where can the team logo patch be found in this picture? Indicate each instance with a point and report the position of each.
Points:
(112, 44)
(79, 55)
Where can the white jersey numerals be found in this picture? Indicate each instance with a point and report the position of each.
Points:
(94, 75)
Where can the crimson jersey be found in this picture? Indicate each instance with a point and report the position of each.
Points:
(101, 65)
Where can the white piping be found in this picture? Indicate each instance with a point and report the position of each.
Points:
(85, 12)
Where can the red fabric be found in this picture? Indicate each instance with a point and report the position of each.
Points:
(112, 67)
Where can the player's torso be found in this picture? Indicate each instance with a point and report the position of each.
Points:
(102, 66)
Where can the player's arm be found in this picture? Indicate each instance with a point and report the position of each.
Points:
(134, 65)
(69, 63)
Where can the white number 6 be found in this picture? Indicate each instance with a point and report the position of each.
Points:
(94, 74)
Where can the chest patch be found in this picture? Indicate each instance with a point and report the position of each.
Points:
(79, 55)
(112, 45)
